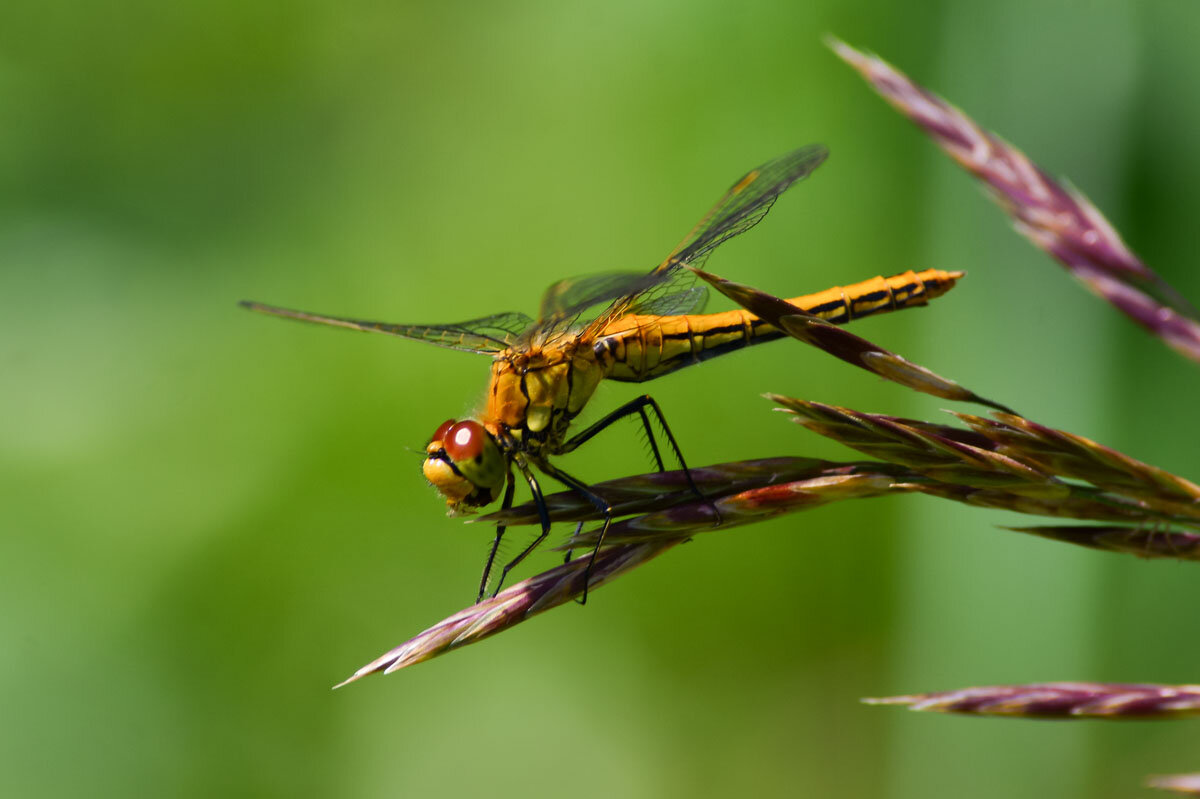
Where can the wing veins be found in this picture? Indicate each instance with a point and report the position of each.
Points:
(741, 207)
(470, 336)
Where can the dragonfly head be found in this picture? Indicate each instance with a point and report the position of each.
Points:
(466, 465)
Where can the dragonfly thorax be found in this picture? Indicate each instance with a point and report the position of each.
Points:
(534, 394)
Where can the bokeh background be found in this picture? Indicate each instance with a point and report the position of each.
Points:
(210, 517)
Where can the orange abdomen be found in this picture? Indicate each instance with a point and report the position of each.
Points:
(634, 348)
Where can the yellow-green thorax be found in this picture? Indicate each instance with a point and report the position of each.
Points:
(535, 393)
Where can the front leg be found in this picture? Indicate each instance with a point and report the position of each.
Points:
(543, 516)
(491, 559)
(601, 505)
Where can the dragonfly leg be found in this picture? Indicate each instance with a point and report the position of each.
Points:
(650, 437)
(601, 505)
(574, 535)
(639, 405)
(543, 516)
(491, 558)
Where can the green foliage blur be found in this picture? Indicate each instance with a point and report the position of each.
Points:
(209, 517)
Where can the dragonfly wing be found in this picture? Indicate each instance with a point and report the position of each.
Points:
(488, 334)
(575, 295)
(566, 302)
(745, 204)
(742, 207)
(688, 301)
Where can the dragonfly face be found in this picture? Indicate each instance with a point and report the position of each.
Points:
(621, 326)
(465, 464)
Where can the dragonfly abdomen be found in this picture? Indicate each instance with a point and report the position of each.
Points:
(842, 304)
(635, 347)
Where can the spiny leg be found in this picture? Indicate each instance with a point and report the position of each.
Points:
(543, 516)
(601, 505)
(574, 535)
(687, 473)
(491, 558)
(638, 405)
(650, 437)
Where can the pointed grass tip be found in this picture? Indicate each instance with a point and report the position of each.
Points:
(1188, 784)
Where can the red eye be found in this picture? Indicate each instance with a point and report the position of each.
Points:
(464, 441)
(440, 433)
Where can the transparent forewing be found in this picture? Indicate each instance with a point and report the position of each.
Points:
(745, 204)
(687, 301)
(741, 208)
(574, 295)
(488, 335)
(570, 306)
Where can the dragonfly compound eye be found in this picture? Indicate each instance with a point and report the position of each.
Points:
(439, 435)
(475, 454)
(466, 465)
(464, 441)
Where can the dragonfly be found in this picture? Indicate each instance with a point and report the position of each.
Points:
(622, 326)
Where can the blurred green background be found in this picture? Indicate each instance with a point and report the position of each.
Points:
(210, 517)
